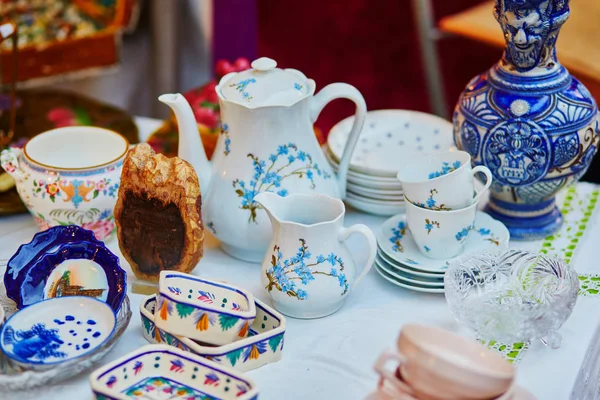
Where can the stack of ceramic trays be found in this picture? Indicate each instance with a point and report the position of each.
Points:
(388, 136)
(400, 262)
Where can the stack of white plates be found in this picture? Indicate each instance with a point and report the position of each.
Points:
(400, 262)
(388, 136)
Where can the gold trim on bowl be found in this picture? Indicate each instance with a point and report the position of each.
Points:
(30, 159)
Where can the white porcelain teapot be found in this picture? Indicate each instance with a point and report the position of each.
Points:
(266, 144)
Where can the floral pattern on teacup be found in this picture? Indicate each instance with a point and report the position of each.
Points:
(102, 223)
(286, 163)
(75, 191)
(430, 225)
(446, 169)
(431, 203)
(283, 273)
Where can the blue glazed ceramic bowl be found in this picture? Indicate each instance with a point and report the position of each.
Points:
(157, 370)
(21, 261)
(67, 263)
(57, 330)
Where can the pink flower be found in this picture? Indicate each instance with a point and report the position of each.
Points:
(101, 185)
(9, 167)
(61, 117)
(204, 94)
(102, 229)
(206, 116)
(209, 93)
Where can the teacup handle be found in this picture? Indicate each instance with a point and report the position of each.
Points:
(364, 230)
(488, 180)
(320, 100)
(9, 159)
(380, 367)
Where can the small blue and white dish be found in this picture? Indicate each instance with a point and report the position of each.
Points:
(166, 372)
(65, 261)
(56, 331)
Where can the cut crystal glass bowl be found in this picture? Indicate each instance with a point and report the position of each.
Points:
(512, 296)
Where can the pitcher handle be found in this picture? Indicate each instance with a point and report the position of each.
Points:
(9, 160)
(488, 180)
(345, 233)
(342, 91)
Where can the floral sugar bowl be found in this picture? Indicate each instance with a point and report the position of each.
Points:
(308, 270)
(70, 176)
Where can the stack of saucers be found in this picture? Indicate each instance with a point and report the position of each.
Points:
(387, 138)
(400, 262)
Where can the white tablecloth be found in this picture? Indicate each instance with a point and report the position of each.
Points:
(332, 357)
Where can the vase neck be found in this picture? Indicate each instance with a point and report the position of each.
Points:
(531, 28)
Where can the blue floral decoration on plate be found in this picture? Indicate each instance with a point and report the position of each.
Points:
(57, 330)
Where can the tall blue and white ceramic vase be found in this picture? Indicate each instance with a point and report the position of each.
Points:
(528, 120)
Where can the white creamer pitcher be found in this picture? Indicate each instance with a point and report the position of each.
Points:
(308, 270)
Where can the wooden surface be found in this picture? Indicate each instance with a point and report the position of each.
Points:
(578, 44)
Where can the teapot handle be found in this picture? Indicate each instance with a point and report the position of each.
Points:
(320, 100)
(364, 230)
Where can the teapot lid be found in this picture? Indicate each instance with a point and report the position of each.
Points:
(265, 85)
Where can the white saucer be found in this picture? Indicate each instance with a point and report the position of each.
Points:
(384, 210)
(356, 174)
(407, 270)
(372, 190)
(409, 279)
(487, 235)
(383, 198)
(374, 183)
(376, 202)
(388, 136)
(376, 194)
(397, 282)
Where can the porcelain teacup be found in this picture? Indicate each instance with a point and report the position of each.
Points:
(433, 363)
(440, 234)
(70, 176)
(442, 181)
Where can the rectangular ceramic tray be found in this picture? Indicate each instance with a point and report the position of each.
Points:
(263, 345)
(165, 372)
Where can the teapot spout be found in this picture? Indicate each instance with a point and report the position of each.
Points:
(190, 144)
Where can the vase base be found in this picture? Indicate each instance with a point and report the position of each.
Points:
(243, 254)
(520, 222)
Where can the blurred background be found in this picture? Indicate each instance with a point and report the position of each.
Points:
(404, 54)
